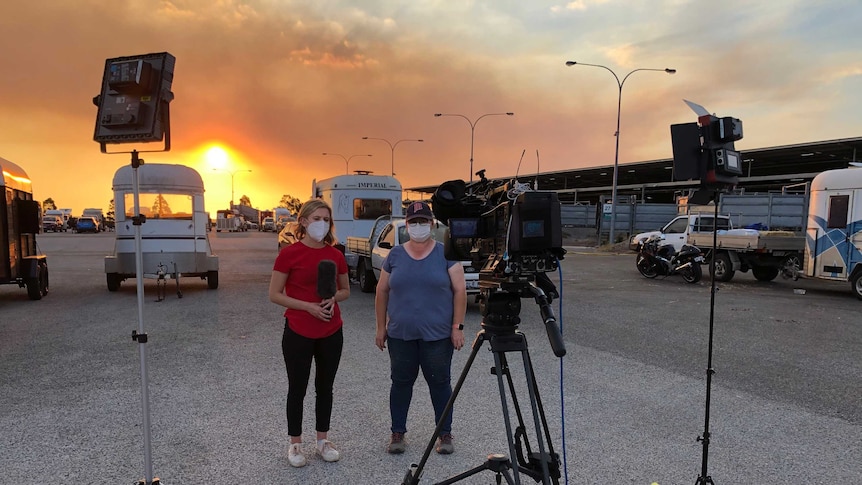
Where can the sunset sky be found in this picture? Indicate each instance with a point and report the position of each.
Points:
(275, 83)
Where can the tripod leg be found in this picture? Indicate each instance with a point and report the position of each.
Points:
(545, 426)
(416, 470)
(538, 411)
(499, 362)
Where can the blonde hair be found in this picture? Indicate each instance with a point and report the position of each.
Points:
(305, 212)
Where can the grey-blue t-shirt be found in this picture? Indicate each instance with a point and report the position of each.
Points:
(420, 295)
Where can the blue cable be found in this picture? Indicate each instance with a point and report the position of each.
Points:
(562, 387)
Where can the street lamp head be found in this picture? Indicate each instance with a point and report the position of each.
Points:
(364, 137)
(420, 140)
(510, 114)
(438, 114)
(570, 63)
(670, 71)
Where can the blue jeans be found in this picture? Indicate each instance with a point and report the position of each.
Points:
(406, 358)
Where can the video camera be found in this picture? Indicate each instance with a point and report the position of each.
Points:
(511, 232)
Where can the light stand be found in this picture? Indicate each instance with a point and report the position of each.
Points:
(499, 328)
(134, 107)
(704, 477)
(140, 336)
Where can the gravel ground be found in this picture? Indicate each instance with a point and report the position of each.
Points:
(785, 403)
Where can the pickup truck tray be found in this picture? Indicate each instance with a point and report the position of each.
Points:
(751, 240)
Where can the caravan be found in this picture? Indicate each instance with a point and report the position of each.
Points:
(174, 240)
(833, 247)
(357, 201)
(20, 261)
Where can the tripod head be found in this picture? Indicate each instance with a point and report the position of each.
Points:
(501, 306)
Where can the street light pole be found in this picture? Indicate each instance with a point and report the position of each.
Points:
(347, 159)
(391, 147)
(232, 174)
(473, 131)
(620, 84)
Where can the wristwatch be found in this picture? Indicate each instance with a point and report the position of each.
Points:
(460, 326)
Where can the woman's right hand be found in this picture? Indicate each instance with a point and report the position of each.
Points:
(319, 311)
(380, 339)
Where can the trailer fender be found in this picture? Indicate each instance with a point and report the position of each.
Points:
(31, 265)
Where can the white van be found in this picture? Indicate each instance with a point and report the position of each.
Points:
(174, 238)
(357, 201)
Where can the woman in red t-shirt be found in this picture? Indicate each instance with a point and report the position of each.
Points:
(312, 325)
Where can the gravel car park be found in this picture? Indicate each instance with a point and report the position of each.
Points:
(785, 396)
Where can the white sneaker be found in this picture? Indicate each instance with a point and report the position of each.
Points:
(327, 451)
(295, 456)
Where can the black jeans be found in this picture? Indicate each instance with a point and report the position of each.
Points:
(298, 353)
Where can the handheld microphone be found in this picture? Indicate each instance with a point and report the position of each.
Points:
(326, 283)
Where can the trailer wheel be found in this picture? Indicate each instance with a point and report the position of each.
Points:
(212, 280)
(856, 284)
(723, 269)
(43, 286)
(38, 287)
(114, 281)
(367, 281)
(33, 288)
(764, 273)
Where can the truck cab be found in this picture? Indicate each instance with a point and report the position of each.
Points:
(677, 231)
(268, 224)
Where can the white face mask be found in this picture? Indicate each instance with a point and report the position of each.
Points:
(317, 230)
(419, 232)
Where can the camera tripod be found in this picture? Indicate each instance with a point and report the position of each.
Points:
(499, 328)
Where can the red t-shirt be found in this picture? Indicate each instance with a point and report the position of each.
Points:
(300, 262)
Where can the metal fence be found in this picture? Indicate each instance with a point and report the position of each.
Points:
(773, 211)
(785, 212)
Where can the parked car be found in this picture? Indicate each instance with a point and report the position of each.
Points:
(53, 224)
(268, 224)
(87, 224)
(287, 236)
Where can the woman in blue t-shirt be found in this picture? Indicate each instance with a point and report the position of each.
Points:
(424, 296)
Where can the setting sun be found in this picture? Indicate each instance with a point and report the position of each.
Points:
(217, 157)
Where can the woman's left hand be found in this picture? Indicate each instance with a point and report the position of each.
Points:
(457, 338)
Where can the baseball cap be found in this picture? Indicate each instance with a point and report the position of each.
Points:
(419, 210)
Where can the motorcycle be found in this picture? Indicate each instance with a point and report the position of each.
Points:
(655, 258)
